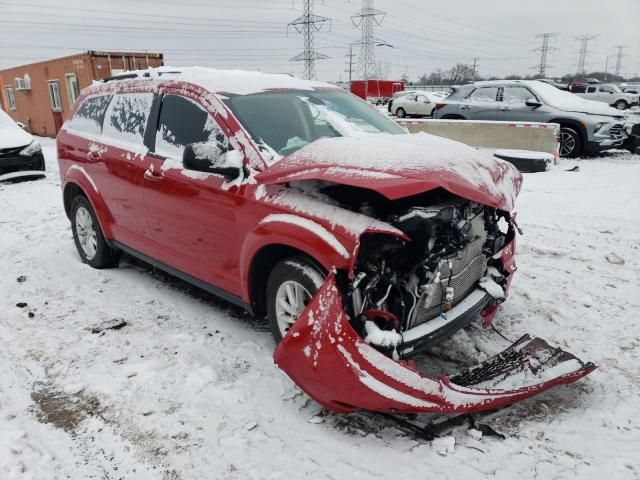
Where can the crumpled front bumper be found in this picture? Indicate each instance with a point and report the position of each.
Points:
(327, 359)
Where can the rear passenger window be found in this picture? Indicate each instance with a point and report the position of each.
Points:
(183, 122)
(126, 117)
(484, 94)
(88, 118)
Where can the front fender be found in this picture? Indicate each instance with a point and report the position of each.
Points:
(77, 175)
(297, 232)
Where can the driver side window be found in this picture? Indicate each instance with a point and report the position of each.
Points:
(183, 122)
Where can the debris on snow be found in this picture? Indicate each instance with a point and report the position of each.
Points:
(614, 259)
(21, 278)
(113, 324)
(21, 304)
(475, 434)
(444, 445)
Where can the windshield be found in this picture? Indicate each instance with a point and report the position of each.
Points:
(287, 121)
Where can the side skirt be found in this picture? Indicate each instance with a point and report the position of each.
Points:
(207, 287)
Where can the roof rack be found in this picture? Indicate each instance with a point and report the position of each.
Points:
(145, 74)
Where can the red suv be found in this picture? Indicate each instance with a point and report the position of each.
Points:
(293, 199)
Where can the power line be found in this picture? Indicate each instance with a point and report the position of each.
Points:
(307, 24)
(582, 54)
(544, 49)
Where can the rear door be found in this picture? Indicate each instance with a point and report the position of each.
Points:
(513, 107)
(481, 104)
(121, 160)
(191, 214)
(423, 107)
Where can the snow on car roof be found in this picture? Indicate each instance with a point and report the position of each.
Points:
(241, 82)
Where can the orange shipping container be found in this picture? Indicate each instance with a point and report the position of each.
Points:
(41, 94)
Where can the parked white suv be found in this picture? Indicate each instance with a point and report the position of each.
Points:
(607, 93)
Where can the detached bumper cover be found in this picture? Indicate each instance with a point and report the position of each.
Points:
(327, 359)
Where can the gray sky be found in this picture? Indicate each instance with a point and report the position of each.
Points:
(252, 34)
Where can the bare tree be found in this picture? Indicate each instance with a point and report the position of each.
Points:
(460, 74)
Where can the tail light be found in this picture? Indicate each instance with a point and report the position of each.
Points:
(439, 106)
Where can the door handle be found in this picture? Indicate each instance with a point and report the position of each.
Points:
(464, 107)
(506, 109)
(93, 157)
(152, 177)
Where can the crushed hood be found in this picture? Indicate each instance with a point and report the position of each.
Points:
(11, 135)
(398, 166)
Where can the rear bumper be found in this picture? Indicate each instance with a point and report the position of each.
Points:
(19, 163)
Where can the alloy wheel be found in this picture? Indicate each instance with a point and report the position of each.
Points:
(567, 144)
(87, 236)
(291, 299)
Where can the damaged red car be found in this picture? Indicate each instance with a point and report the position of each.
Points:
(361, 244)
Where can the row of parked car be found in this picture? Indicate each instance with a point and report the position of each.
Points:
(586, 126)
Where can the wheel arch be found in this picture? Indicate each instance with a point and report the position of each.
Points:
(261, 266)
(577, 126)
(80, 185)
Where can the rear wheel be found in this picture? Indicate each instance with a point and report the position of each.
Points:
(569, 143)
(88, 237)
(291, 285)
(620, 105)
(401, 113)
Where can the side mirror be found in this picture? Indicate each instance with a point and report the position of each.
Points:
(209, 157)
(532, 102)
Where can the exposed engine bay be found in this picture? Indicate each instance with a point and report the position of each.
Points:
(399, 284)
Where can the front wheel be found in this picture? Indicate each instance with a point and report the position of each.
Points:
(400, 113)
(569, 143)
(88, 237)
(291, 285)
(620, 105)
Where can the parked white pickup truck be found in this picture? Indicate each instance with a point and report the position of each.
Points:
(610, 94)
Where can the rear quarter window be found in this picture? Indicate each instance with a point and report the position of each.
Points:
(127, 116)
(90, 115)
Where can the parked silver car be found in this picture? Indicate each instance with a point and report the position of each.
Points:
(585, 126)
(607, 93)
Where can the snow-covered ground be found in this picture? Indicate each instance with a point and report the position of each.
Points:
(188, 390)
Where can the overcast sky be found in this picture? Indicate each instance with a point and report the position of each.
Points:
(252, 34)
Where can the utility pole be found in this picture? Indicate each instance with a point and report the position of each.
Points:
(307, 24)
(475, 67)
(606, 68)
(619, 58)
(582, 54)
(366, 19)
(544, 50)
(349, 62)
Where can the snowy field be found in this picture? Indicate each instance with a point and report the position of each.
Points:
(188, 390)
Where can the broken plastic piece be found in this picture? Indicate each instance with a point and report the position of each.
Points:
(326, 358)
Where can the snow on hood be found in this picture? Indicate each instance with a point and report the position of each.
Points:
(398, 166)
(570, 102)
(11, 135)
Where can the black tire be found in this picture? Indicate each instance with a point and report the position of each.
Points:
(400, 113)
(570, 144)
(297, 269)
(621, 105)
(105, 256)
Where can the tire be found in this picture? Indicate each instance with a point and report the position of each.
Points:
(295, 273)
(400, 113)
(88, 237)
(570, 146)
(621, 105)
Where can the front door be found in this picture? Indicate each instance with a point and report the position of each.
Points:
(191, 215)
(513, 107)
